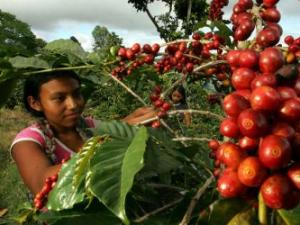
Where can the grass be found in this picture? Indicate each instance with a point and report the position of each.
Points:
(13, 193)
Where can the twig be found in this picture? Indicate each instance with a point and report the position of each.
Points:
(177, 41)
(202, 112)
(191, 139)
(213, 63)
(188, 14)
(128, 89)
(171, 112)
(146, 216)
(182, 40)
(148, 120)
(192, 56)
(155, 185)
(195, 199)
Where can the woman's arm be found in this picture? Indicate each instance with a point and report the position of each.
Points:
(33, 165)
(140, 115)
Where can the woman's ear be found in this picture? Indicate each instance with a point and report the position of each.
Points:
(34, 103)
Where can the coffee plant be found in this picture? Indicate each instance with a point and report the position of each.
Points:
(242, 169)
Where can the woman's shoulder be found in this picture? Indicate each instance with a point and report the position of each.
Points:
(31, 133)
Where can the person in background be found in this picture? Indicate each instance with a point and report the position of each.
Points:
(60, 131)
(178, 99)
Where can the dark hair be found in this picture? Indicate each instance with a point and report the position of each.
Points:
(32, 86)
(181, 90)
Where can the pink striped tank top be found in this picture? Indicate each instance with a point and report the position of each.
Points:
(35, 134)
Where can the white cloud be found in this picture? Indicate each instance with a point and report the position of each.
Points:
(53, 19)
(45, 15)
(63, 18)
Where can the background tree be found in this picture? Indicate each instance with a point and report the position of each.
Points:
(16, 38)
(104, 40)
(180, 19)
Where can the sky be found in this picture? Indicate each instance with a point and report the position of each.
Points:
(54, 19)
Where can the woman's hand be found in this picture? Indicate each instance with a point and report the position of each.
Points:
(140, 115)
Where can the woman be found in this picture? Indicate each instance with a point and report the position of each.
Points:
(60, 131)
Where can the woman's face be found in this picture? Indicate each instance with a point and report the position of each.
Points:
(61, 102)
(176, 97)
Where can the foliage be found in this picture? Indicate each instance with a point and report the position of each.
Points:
(16, 37)
(104, 40)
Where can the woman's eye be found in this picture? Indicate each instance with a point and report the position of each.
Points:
(58, 98)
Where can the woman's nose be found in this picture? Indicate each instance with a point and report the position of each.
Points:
(71, 103)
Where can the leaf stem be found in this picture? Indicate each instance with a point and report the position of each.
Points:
(60, 69)
(262, 211)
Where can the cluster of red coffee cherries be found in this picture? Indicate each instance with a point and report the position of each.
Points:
(40, 198)
(215, 9)
(160, 104)
(263, 123)
(183, 56)
(244, 22)
(133, 57)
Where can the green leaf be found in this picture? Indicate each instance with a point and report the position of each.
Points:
(225, 209)
(71, 53)
(93, 216)
(290, 217)
(84, 156)
(23, 216)
(64, 196)
(224, 31)
(28, 62)
(63, 46)
(113, 169)
(94, 58)
(115, 129)
(7, 87)
(223, 28)
(158, 161)
(201, 24)
(247, 217)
